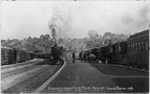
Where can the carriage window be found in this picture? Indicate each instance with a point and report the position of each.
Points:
(119, 47)
(139, 47)
(146, 44)
(142, 43)
(133, 47)
(136, 47)
(5, 53)
(128, 48)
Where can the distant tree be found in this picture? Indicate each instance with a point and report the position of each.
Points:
(2, 41)
(93, 34)
(114, 37)
(94, 39)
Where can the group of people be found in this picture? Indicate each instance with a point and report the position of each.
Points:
(84, 57)
(87, 57)
(74, 57)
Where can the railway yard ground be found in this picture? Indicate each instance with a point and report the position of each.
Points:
(76, 77)
(26, 77)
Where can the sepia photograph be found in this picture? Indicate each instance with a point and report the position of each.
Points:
(74, 46)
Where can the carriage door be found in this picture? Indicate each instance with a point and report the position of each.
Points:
(113, 53)
(15, 55)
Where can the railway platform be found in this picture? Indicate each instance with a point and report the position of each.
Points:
(98, 78)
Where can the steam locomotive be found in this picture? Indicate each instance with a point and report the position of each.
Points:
(132, 52)
(56, 53)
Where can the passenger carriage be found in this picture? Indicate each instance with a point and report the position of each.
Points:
(134, 51)
(138, 49)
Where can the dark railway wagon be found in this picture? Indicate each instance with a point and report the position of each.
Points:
(138, 49)
(35, 55)
(31, 55)
(7, 56)
(107, 53)
(97, 52)
(28, 56)
(12, 56)
(119, 52)
(20, 56)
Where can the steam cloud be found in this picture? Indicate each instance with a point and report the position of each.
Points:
(139, 19)
(60, 22)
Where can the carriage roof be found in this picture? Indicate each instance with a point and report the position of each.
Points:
(145, 32)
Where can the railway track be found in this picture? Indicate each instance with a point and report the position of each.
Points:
(14, 71)
(3, 67)
(27, 78)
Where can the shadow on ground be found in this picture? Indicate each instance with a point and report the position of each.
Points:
(44, 62)
(133, 85)
(109, 69)
(134, 81)
(49, 62)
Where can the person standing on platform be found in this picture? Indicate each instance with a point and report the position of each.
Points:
(73, 57)
(82, 56)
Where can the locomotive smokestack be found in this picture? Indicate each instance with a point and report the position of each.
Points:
(53, 28)
(54, 35)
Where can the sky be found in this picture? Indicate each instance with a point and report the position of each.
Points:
(21, 19)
